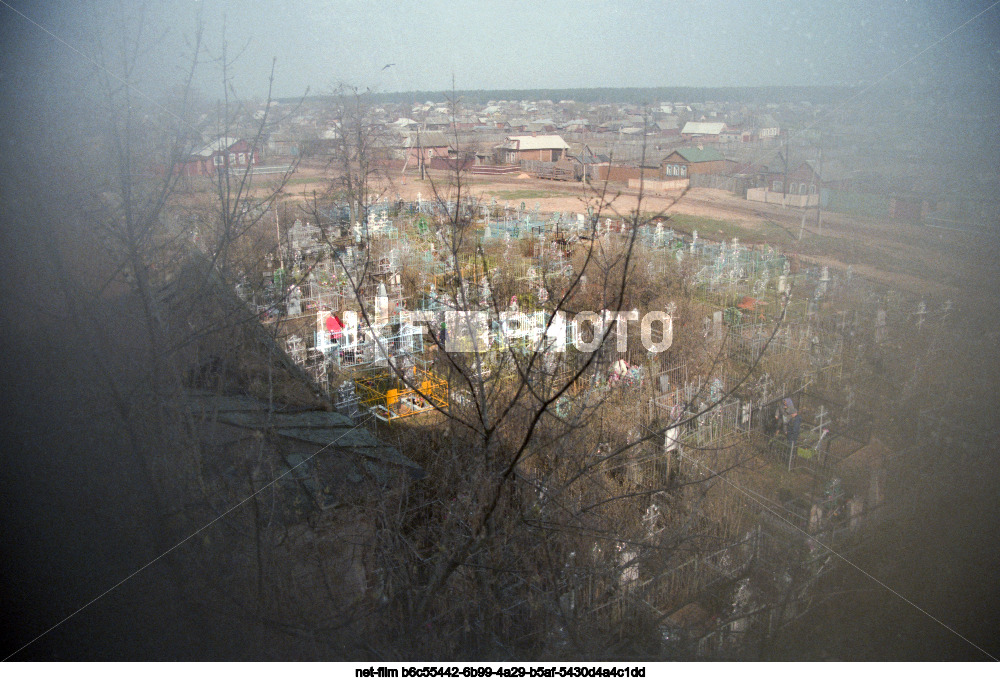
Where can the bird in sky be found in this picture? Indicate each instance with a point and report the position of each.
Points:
(388, 65)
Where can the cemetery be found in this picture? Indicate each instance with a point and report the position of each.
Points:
(755, 374)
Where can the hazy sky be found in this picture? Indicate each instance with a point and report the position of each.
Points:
(486, 44)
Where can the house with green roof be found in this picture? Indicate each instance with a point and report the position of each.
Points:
(689, 161)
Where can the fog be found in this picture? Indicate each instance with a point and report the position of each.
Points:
(119, 547)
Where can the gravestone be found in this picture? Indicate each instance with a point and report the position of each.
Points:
(294, 306)
(347, 401)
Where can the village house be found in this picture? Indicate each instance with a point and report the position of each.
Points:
(693, 161)
(577, 125)
(224, 153)
(799, 186)
(734, 136)
(517, 148)
(766, 127)
(703, 131)
(424, 147)
(802, 180)
(668, 126)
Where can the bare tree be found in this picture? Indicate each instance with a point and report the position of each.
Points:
(532, 495)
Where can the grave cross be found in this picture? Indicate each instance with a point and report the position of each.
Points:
(651, 517)
(821, 415)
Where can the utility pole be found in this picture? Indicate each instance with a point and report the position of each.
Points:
(420, 152)
(784, 187)
(277, 233)
(819, 191)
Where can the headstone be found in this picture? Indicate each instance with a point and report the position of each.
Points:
(294, 306)
(347, 400)
(715, 390)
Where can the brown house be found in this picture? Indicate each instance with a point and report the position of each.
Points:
(802, 180)
(703, 131)
(222, 154)
(693, 161)
(517, 148)
(423, 147)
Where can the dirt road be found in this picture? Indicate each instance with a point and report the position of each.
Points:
(922, 260)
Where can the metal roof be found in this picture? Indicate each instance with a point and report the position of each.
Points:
(218, 146)
(427, 139)
(533, 142)
(696, 155)
(703, 128)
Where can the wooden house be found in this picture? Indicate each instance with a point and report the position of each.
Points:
(517, 148)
